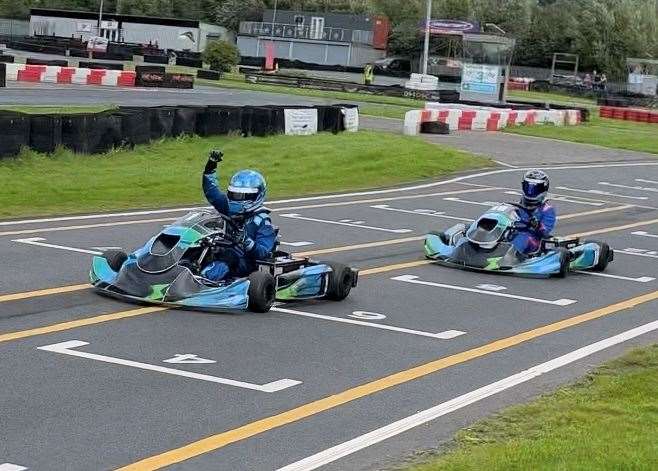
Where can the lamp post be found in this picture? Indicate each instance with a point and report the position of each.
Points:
(426, 46)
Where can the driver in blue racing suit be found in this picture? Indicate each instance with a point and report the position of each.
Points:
(243, 203)
(538, 219)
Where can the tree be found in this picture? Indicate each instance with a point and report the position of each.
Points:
(221, 55)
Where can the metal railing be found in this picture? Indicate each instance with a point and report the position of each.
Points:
(282, 30)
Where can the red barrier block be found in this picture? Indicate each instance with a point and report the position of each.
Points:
(467, 114)
(619, 113)
(530, 118)
(492, 123)
(65, 74)
(126, 79)
(653, 117)
(642, 116)
(29, 76)
(511, 118)
(465, 124)
(425, 116)
(95, 77)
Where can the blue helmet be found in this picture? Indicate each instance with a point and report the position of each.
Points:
(246, 192)
(535, 188)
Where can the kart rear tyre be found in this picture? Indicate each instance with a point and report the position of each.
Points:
(441, 235)
(605, 256)
(565, 261)
(341, 280)
(262, 291)
(115, 259)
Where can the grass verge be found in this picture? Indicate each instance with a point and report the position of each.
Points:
(544, 97)
(168, 172)
(604, 132)
(607, 421)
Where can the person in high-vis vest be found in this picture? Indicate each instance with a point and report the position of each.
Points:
(368, 74)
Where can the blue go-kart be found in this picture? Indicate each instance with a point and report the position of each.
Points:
(485, 246)
(167, 271)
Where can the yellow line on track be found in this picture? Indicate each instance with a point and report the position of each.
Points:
(42, 292)
(220, 440)
(49, 329)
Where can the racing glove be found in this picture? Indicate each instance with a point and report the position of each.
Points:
(534, 223)
(213, 159)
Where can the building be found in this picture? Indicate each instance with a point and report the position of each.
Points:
(318, 38)
(167, 33)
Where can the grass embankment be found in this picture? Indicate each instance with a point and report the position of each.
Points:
(608, 421)
(168, 172)
(604, 132)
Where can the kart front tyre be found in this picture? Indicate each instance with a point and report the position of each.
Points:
(262, 291)
(341, 280)
(115, 259)
(605, 255)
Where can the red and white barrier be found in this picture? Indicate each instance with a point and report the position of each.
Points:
(80, 76)
(483, 118)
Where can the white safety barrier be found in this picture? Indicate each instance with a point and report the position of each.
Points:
(459, 116)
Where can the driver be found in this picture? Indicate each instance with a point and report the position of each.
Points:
(538, 219)
(243, 203)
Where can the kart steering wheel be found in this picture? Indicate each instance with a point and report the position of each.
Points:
(233, 230)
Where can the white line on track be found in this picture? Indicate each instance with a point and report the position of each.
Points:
(459, 179)
(566, 199)
(66, 348)
(98, 216)
(349, 224)
(642, 180)
(301, 243)
(420, 212)
(638, 252)
(37, 241)
(601, 192)
(11, 467)
(414, 280)
(630, 187)
(595, 211)
(446, 335)
(479, 203)
(378, 435)
(645, 234)
(641, 279)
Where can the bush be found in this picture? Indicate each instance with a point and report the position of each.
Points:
(221, 55)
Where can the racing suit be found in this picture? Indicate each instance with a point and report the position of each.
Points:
(259, 236)
(539, 223)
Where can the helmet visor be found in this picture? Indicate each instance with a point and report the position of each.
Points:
(242, 194)
(534, 189)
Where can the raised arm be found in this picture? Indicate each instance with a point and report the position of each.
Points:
(210, 184)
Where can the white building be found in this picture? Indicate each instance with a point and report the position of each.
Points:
(168, 33)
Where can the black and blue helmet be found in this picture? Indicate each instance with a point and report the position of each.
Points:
(246, 192)
(535, 187)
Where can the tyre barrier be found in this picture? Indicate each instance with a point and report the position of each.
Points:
(6, 58)
(639, 115)
(156, 59)
(189, 62)
(33, 61)
(76, 75)
(481, 118)
(208, 74)
(96, 133)
(3, 75)
(99, 65)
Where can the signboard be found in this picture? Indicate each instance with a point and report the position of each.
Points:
(84, 27)
(480, 78)
(302, 121)
(351, 119)
(456, 27)
(97, 44)
(109, 25)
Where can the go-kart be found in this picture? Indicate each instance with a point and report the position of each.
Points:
(167, 271)
(485, 245)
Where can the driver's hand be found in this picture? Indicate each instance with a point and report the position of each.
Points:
(216, 156)
(534, 223)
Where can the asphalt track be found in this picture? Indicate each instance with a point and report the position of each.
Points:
(412, 337)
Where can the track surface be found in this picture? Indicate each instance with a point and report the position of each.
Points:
(85, 413)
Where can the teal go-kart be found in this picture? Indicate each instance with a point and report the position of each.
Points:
(485, 246)
(167, 271)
